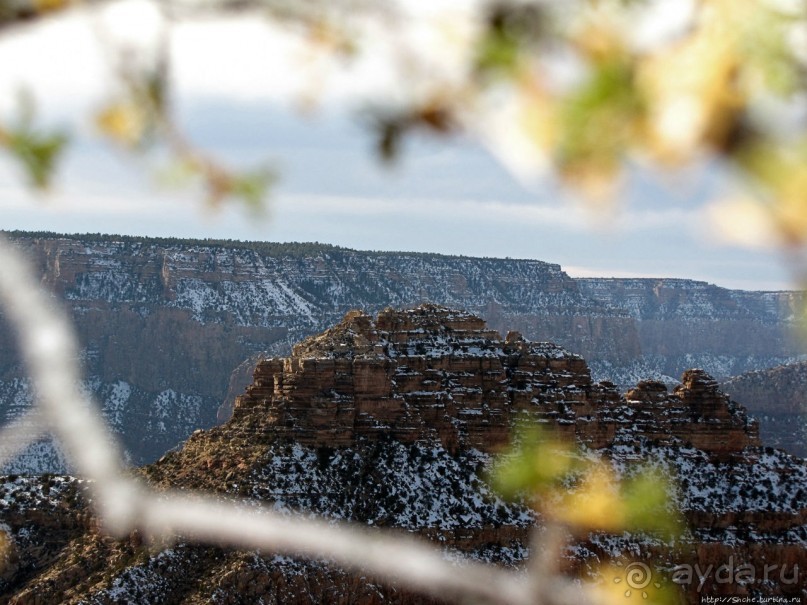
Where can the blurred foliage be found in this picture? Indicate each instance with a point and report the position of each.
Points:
(510, 29)
(634, 582)
(139, 119)
(123, 121)
(135, 115)
(37, 150)
(782, 170)
(537, 464)
(582, 493)
(217, 184)
(593, 89)
(575, 89)
(6, 551)
(391, 127)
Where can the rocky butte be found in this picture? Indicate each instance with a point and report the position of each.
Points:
(391, 421)
(442, 374)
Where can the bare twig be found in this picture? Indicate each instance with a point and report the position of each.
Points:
(396, 558)
(49, 350)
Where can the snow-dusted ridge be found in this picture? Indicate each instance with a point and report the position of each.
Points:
(164, 315)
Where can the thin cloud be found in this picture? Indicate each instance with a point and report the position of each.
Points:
(569, 216)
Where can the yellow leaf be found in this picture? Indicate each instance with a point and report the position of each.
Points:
(538, 116)
(598, 39)
(741, 221)
(781, 171)
(595, 505)
(598, 180)
(46, 6)
(636, 582)
(790, 209)
(124, 122)
(5, 551)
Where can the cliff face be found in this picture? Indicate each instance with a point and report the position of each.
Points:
(391, 421)
(163, 322)
(685, 323)
(778, 396)
(437, 372)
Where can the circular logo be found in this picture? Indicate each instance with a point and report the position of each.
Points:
(638, 576)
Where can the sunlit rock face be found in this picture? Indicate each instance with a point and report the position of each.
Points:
(433, 371)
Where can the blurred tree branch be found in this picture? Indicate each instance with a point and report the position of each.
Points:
(571, 89)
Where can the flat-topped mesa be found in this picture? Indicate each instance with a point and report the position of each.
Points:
(434, 372)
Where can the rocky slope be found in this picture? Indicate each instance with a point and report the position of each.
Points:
(163, 322)
(684, 323)
(778, 397)
(391, 421)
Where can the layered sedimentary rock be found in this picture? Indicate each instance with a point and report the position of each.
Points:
(163, 322)
(682, 323)
(778, 396)
(391, 422)
(436, 371)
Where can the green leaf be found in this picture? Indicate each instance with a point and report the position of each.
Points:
(647, 498)
(252, 187)
(535, 464)
(765, 44)
(38, 152)
(513, 28)
(596, 119)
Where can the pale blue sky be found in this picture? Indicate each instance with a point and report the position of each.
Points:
(449, 196)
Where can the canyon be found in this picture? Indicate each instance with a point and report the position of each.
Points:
(163, 323)
(394, 420)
